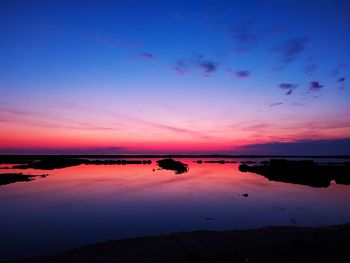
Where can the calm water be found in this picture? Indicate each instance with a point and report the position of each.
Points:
(89, 203)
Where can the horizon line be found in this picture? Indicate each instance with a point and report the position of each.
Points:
(345, 156)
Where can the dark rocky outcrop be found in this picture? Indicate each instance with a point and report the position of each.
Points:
(305, 172)
(170, 164)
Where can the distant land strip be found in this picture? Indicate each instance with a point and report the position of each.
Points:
(36, 156)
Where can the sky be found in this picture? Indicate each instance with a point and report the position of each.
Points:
(174, 76)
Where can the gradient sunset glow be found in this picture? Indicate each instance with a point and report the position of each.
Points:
(173, 76)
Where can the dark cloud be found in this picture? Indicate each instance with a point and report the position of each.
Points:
(181, 67)
(148, 56)
(288, 87)
(289, 92)
(275, 104)
(337, 74)
(207, 66)
(239, 73)
(243, 73)
(291, 49)
(341, 83)
(315, 86)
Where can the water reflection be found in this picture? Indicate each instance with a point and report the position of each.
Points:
(89, 203)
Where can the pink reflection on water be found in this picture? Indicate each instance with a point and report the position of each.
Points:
(99, 202)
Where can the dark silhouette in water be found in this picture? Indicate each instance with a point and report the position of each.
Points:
(305, 172)
(170, 164)
(9, 178)
(50, 163)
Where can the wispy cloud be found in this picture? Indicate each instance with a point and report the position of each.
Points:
(338, 74)
(315, 86)
(288, 87)
(291, 49)
(243, 73)
(183, 66)
(47, 120)
(207, 66)
(147, 56)
(239, 73)
(275, 104)
(160, 125)
(244, 36)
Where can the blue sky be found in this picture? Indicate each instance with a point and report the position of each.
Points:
(207, 75)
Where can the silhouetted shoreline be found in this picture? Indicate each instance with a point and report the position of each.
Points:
(269, 244)
(11, 158)
(304, 172)
(51, 163)
(9, 178)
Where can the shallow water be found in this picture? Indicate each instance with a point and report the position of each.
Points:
(92, 203)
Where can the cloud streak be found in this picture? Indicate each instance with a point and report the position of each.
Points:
(291, 49)
(288, 87)
(147, 56)
(182, 66)
(242, 74)
(275, 104)
(239, 74)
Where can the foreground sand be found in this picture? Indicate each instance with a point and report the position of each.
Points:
(272, 244)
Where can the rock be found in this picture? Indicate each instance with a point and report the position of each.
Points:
(170, 164)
